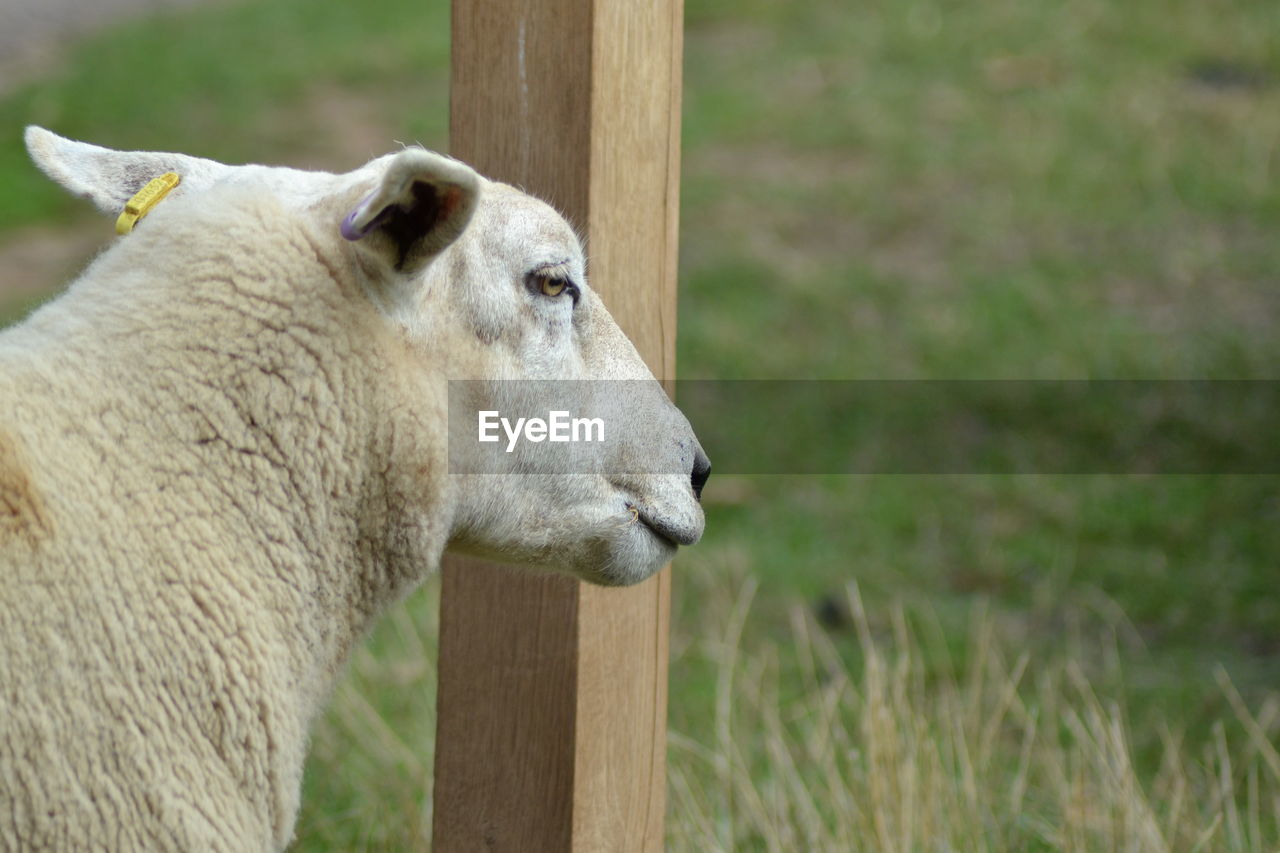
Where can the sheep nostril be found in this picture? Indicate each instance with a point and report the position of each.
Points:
(701, 471)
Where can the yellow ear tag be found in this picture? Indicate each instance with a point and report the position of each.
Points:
(145, 199)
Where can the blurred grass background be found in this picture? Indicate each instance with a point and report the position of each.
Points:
(997, 189)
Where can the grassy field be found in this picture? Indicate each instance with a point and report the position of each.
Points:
(911, 191)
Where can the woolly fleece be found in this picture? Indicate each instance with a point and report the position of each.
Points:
(220, 458)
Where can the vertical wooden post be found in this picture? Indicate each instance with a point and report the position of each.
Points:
(553, 694)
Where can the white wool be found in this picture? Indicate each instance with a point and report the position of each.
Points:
(222, 454)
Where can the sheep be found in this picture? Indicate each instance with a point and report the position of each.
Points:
(223, 453)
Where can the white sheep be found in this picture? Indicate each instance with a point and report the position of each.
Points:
(223, 452)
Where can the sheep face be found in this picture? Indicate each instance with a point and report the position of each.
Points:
(487, 288)
(509, 302)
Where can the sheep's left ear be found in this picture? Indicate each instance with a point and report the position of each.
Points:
(110, 178)
(421, 203)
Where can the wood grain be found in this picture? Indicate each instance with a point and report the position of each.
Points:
(553, 694)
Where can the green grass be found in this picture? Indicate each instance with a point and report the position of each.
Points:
(1023, 189)
(913, 190)
(240, 82)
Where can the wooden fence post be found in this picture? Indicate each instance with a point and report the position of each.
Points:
(553, 694)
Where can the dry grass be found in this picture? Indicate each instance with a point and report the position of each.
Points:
(811, 747)
(812, 751)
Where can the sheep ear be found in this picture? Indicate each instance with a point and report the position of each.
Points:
(110, 178)
(421, 203)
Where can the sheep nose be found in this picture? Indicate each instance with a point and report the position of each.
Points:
(701, 471)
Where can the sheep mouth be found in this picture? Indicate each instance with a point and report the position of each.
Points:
(670, 534)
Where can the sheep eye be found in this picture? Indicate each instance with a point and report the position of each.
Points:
(551, 286)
